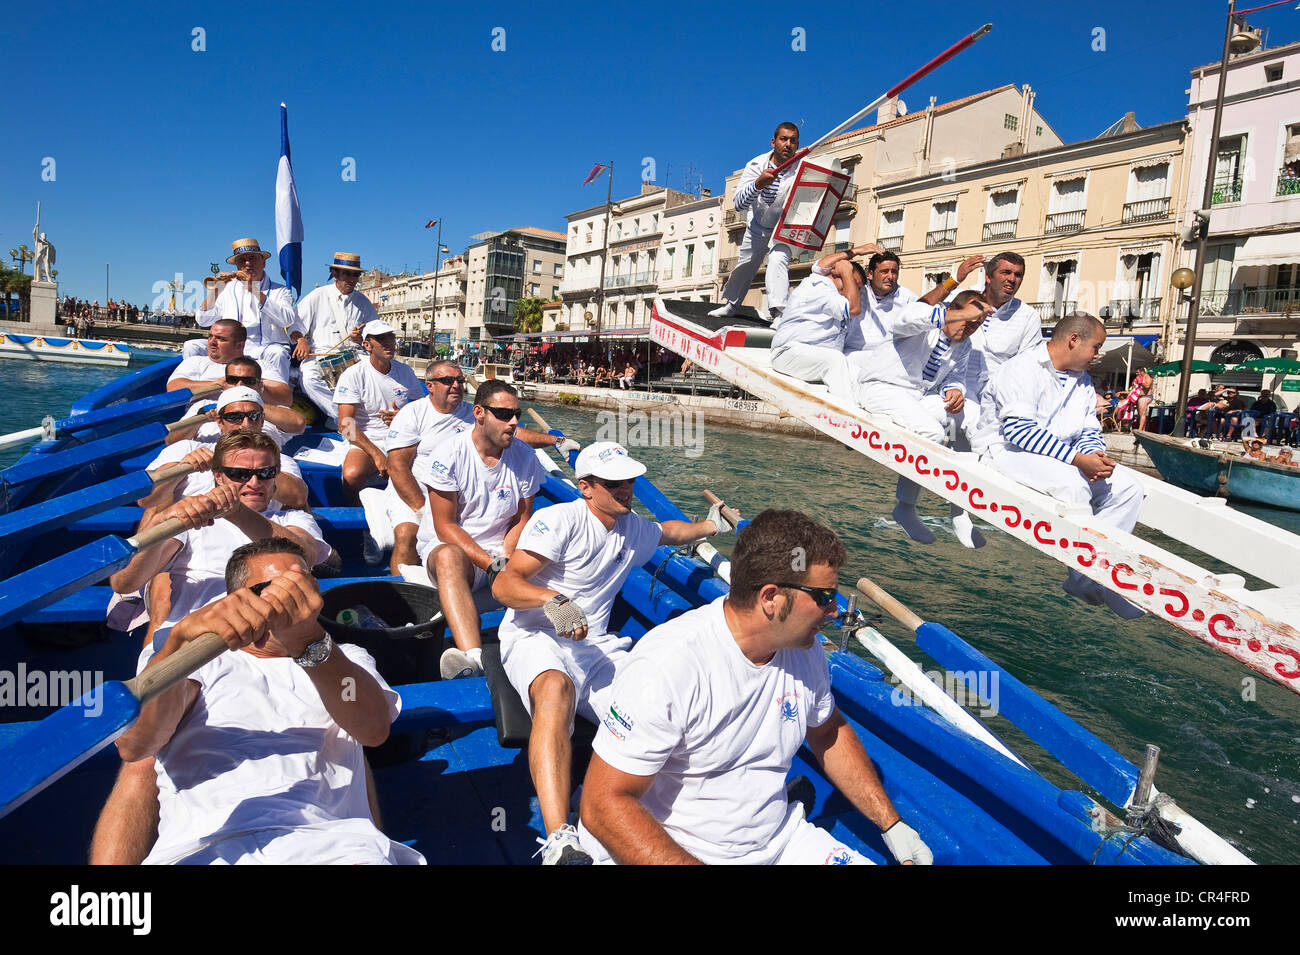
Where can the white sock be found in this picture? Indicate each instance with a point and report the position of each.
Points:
(965, 529)
(910, 522)
(475, 654)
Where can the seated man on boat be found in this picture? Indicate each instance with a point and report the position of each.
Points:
(481, 485)
(916, 374)
(330, 318)
(260, 800)
(417, 429)
(226, 342)
(560, 585)
(248, 296)
(368, 397)
(1039, 426)
(279, 421)
(809, 336)
(708, 711)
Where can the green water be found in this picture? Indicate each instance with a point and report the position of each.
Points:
(1230, 761)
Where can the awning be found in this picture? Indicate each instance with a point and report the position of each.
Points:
(1116, 354)
(1280, 248)
(1156, 248)
(1149, 162)
(1053, 257)
(1070, 176)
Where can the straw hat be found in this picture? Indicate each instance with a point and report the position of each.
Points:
(244, 247)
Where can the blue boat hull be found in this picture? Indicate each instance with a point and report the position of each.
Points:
(1229, 474)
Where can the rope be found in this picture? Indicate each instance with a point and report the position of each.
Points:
(1150, 824)
(687, 550)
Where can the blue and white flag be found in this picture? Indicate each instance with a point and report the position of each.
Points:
(288, 217)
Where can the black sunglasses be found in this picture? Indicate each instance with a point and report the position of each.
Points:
(448, 380)
(249, 381)
(614, 485)
(822, 596)
(234, 417)
(241, 475)
(503, 414)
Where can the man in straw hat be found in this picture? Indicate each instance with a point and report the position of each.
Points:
(327, 318)
(248, 296)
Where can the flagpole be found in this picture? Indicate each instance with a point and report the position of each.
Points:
(604, 256)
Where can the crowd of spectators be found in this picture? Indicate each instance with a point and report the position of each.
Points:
(620, 367)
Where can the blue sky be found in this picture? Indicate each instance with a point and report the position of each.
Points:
(163, 154)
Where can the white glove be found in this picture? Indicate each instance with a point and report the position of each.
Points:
(721, 523)
(568, 445)
(566, 616)
(906, 845)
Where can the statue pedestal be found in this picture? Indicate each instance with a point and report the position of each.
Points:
(44, 298)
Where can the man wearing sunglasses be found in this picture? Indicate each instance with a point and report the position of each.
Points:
(560, 585)
(227, 341)
(418, 428)
(367, 398)
(281, 422)
(481, 485)
(706, 715)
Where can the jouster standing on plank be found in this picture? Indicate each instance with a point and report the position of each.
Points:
(1039, 426)
(327, 317)
(757, 197)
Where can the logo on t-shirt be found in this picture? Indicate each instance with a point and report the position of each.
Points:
(788, 707)
(539, 527)
(501, 492)
(440, 468)
(619, 724)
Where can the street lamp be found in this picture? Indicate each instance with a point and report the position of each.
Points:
(437, 267)
(1237, 40)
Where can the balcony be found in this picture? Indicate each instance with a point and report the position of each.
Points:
(1148, 210)
(1052, 312)
(1063, 221)
(890, 243)
(1126, 310)
(1226, 191)
(454, 299)
(1288, 183)
(1000, 229)
(687, 270)
(724, 266)
(732, 219)
(1252, 302)
(630, 280)
(940, 237)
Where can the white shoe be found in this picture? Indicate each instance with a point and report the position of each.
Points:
(456, 664)
(561, 848)
(911, 524)
(726, 311)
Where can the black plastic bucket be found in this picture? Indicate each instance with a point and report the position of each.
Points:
(408, 650)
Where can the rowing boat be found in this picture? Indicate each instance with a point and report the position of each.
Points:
(1225, 472)
(453, 782)
(51, 348)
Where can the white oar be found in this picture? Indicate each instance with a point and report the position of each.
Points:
(45, 431)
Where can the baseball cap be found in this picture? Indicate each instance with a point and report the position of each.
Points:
(375, 328)
(239, 393)
(608, 460)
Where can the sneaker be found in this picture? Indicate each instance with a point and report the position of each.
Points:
(457, 664)
(561, 848)
(726, 311)
(370, 551)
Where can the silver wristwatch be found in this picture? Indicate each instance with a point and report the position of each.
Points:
(316, 653)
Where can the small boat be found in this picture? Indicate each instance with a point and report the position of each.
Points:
(51, 348)
(1225, 472)
(453, 769)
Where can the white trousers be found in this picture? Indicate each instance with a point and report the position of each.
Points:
(814, 363)
(749, 258)
(315, 388)
(923, 415)
(1117, 500)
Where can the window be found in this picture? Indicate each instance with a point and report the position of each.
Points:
(534, 290)
(1038, 131)
(1002, 213)
(1066, 206)
(559, 269)
(891, 229)
(943, 224)
(1272, 72)
(1148, 192)
(707, 265)
(654, 222)
(1010, 122)
(1288, 177)
(1228, 170)
(689, 267)
(537, 265)
(934, 278)
(672, 255)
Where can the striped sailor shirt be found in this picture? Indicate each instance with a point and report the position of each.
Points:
(762, 206)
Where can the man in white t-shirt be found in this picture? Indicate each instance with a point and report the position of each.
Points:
(368, 397)
(559, 585)
(481, 485)
(706, 714)
(226, 342)
(327, 317)
(281, 421)
(229, 788)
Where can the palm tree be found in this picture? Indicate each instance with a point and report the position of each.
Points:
(528, 315)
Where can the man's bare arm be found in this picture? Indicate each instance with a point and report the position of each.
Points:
(442, 508)
(613, 812)
(284, 418)
(845, 763)
(348, 428)
(400, 464)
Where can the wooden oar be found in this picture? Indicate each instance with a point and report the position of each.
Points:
(728, 514)
(68, 737)
(541, 423)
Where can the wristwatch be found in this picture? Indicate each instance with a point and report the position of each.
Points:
(316, 653)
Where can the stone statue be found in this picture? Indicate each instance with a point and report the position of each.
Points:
(44, 252)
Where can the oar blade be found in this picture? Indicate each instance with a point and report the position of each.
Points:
(55, 579)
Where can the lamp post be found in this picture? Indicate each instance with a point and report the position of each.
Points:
(604, 251)
(1237, 40)
(437, 267)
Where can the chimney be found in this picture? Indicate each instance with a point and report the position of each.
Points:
(705, 193)
(888, 110)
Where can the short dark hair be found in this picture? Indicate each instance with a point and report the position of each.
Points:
(964, 298)
(1077, 323)
(879, 257)
(857, 270)
(780, 126)
(238, 332)
(1014, 258)
(490, 389)
(243, 361)
(237, 565)
(779, 547)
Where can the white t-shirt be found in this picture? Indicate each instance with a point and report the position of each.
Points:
(327, 315)
(200, 482)
(420, 423)
(274, 365)
(588, 564)
(716, 731)
(371, 391)
(1013, 329)
(199, 568)
(487, 498)
(257, 753)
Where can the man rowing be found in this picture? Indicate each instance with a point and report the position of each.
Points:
(706, 714)
(226, 341)
(328, 317)
(278, 421)
(1039, 426)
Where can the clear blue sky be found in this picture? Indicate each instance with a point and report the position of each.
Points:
(163, 155)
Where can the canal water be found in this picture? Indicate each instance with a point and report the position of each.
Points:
(1230, 739)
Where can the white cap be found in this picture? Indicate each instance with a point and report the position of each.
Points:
(238, 393)
(607, 460)
(375, 328)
